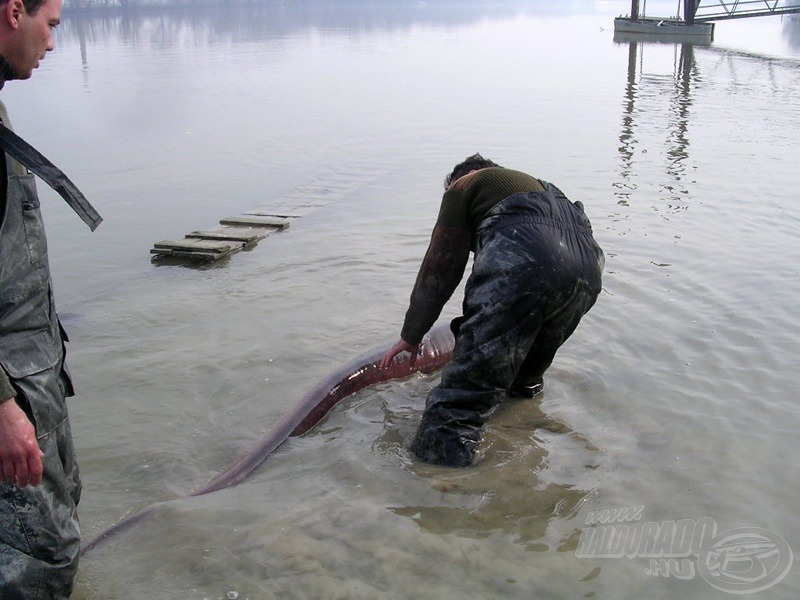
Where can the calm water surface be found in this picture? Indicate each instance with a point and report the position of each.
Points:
(676, 394)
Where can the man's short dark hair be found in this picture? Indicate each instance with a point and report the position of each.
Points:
(472, 163)
(31, 6)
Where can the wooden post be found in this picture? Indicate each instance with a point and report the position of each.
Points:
(634, 10)
(689, 10)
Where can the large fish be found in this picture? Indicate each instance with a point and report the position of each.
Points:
(356, 375)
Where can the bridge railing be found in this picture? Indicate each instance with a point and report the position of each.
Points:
(721, 10)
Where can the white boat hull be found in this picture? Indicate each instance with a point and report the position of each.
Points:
(664, 27)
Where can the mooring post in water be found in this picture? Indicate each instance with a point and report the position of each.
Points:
(689, 10)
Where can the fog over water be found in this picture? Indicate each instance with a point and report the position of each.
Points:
(676, 395)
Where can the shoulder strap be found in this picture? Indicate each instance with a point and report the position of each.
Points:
(50, 174)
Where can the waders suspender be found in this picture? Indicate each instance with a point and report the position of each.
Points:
(50, 174)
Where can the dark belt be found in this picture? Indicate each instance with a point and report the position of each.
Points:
(39, 165)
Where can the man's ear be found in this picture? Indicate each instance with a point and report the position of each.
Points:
(12, 11)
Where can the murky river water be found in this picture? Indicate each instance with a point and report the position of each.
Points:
(677, 393)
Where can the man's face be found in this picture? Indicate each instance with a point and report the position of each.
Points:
(36, 37)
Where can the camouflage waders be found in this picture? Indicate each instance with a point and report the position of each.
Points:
(39, 534)
(537, 271)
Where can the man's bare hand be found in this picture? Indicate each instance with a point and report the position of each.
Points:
(400, 346)
(20, 456)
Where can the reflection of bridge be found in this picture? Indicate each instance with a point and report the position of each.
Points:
(677, 90)
(705, 11)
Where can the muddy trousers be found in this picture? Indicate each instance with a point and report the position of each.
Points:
(39, 533)
(534, 276)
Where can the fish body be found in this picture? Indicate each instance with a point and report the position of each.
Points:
(356, 375)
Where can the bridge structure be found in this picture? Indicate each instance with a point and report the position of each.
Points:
(699, 17)
(708, 11)
(704, 11)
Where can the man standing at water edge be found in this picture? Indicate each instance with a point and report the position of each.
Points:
(39, 482)
(537, 271)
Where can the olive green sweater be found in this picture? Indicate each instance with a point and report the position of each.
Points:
(463, 207)
(471, 197)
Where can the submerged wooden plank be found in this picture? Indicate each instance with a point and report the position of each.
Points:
(191, 245)
(238, 234)
(251, 221)
(282, 210)
(319, 193)
(350, 180)
(205, 257)
(322, 188)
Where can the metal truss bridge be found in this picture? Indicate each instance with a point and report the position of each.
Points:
(705, 11)
(708, 10)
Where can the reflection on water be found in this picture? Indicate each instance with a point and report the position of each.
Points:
(276, 21)
(515, 487)
(677, 89)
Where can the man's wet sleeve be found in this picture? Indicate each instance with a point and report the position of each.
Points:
(440, 273)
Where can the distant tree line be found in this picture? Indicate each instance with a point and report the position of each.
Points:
(79, 5)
